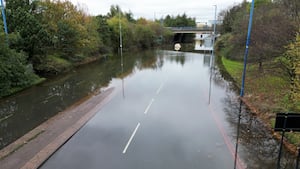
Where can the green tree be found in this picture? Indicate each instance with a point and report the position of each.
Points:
(15, 9)
(68, 38)
(23, 18)
(129, 40)
(15, 73)
(90, 41)
(179, 21)
(145, 36)
(168, 21)
(291, 63)
(72, 32)
(104, 33)
(115, 10)
(269, 37)
(231, 16)
(291, 8)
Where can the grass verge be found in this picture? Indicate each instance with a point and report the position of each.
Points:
(233, 68)
(267, 91)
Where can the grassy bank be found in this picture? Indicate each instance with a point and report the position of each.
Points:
(266, 92)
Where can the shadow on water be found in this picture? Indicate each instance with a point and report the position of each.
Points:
(26, 110)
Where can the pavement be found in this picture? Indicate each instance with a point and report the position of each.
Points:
(31, 150)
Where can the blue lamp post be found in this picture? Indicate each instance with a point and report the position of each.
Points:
(243, 80)
(247, 48)
(4, 17)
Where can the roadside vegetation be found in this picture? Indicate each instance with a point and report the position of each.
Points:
(187, 40)
(48, 37)
(273, 70)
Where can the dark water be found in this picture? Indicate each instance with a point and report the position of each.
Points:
(24, 111)
(257, 147)
(143, 71)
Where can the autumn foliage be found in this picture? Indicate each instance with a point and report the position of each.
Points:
(47, 37)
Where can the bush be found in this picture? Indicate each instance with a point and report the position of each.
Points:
(225, 47)
(15, 74)
(53, 64)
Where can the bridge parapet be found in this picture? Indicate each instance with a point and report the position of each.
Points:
(191, 29)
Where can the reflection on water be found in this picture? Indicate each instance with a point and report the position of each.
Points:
(257, 147)
(26, 110)
(206, 60)
(177, 57)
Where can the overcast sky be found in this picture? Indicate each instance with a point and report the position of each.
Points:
(202, 10)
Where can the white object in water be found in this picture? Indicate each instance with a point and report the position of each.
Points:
(177, 46)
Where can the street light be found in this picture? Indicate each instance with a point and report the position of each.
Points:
(214, 36)
(212, 60)
(215, 22)
(120, 36)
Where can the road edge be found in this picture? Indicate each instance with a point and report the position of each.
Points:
(26, 144)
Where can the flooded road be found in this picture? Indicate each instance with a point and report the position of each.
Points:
(168, 114)
(24, 111)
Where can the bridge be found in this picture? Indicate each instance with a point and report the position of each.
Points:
(196, 30)
(203, 39)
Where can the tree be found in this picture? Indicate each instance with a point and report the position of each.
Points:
(22, 16)
(129, 40)
(269, 37)
(15, 9)
(168, 21)
(179, 21)
(291, 63)
(67, 39)
(104, 33)
(129, 17)
(115, 10)
(231, 16)
(144, 36)
(73, 34)
(291, 8)
(15, 73)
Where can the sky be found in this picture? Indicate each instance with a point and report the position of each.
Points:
(202, 10)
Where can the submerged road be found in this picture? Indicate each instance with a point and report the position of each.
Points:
(159, 118)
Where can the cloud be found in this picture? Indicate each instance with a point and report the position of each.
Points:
(201, 9)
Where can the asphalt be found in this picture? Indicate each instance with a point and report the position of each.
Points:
(31, 150)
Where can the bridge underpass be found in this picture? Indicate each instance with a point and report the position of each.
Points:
(201, 36)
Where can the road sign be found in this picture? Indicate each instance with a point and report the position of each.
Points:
(287, 121)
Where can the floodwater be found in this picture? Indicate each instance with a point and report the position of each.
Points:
(24, 111)
(171, 111)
